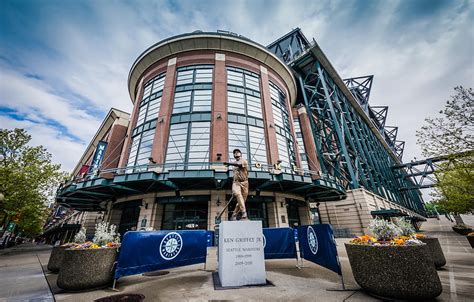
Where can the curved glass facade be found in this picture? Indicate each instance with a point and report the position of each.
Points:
(281, 117)
(189, 138)
(245, 116)
(144, 131)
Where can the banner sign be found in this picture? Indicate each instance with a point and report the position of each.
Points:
(317, 245)
(279, 243)
(150, 251)
(98, 156)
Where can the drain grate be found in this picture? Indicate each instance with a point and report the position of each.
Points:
(122, 298)
(156, 273)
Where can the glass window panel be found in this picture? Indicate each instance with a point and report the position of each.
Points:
(203, 76)
(158, 84)
(185, 77)
(235, 78)
(252, 82)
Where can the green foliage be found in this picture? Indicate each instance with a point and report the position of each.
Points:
(452, 135)
(27, 180)
(452, 132)
(455, 191)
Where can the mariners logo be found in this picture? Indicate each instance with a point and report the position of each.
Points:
(171, 245)
(312, 240)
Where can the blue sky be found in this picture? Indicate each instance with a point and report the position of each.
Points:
(64, 63)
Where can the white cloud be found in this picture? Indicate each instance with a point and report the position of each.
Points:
(82, 53)
(64, 150)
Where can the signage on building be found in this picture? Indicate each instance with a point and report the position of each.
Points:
(98, 156)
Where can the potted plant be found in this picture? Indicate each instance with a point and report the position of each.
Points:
(462, 229)
(90, 265)
(57, 253)
(391, 265)
(434, 248)
(470, 238)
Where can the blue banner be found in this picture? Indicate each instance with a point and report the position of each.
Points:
(150, 251)
(98, 156)
(279, 243)
(317, 245)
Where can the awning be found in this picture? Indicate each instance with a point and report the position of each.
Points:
(92, 195)
(388, 213)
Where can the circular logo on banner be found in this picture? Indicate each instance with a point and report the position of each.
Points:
(264, 241)
(312, 240)
(171, 245)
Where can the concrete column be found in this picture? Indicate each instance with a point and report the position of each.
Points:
(146, 212)
(272, 212)
(219, 136)
(305, 215)
(282, 210)
(270, 134)
(160, 142)
(308, 141)
(157, 216)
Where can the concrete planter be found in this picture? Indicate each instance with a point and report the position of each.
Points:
(462, 231)
(56, 258)
(471, 240)
(435, 250)
(395, 272)
(87, 268)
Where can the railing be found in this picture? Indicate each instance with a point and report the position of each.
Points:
(197, 166)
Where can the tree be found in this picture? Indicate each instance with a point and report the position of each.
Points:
(452, 135)
(27, 180)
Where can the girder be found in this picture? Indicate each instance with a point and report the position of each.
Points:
(347, 145)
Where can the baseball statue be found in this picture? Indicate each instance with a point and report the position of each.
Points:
(240, 185)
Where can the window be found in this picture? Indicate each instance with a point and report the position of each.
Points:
(188, 143)
(193, 94)
(154, 86)
(250, 140)
(300, 143)
(140, 150)
(243, 78)
(150, 104)
(243, 93)
(281, 118)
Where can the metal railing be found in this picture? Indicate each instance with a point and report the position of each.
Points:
(200, 166)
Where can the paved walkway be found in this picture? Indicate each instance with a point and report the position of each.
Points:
(21, 274)
(23, 279)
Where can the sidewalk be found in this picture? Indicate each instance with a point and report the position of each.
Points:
(21, 277)
(195, 283)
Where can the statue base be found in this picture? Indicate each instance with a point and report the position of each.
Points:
(241, 256)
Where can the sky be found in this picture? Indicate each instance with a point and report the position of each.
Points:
(64, 63)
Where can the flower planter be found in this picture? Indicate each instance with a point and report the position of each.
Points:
(462, 231)
(471, 240)
(87, 268)
(56, 258)
(395, 272)
(435, 250)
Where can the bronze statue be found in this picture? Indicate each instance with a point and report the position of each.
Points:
(240, 186)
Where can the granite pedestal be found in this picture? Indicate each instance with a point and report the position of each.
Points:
(241, 256)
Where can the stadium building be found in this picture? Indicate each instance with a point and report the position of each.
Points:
(318, 153)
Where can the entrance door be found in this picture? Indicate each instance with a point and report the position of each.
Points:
(293, 214)
(129, 218)
(185, 216)
(256, 208)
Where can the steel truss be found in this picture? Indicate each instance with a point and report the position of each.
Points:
(347, 147)
(421, 172)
